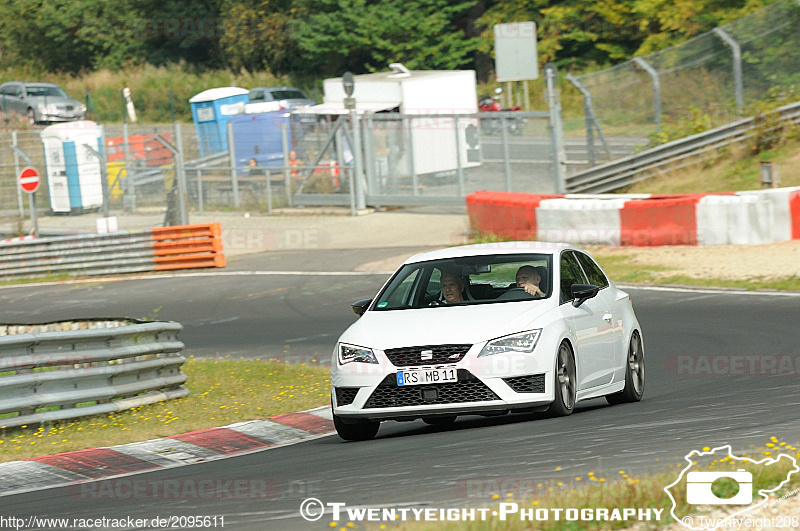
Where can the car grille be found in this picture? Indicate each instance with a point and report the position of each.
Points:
(468, 388)
(533, 383)
(411, 356)
(346, 395)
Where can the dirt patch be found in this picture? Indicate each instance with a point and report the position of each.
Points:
(735, 262)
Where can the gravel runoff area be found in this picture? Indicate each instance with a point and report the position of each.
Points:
(735, 262)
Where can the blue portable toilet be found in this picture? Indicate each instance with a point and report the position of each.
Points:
(74, 176)
(259, 136)
(211, 110)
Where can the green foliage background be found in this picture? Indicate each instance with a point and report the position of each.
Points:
(188, 46)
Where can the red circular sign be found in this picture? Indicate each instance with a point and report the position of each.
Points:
(29, 180)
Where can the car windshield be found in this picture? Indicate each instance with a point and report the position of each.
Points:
(487, 279)
(45, 91)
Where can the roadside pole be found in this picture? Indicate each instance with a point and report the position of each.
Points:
(16, 172)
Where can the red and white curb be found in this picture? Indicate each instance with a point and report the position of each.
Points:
(81, 466)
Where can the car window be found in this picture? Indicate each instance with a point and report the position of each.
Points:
(8, 90)
(571, 273)
(486, 279)
(288, 95)
(256, 95)
(45, 91)
(400, 295)
(592, 270)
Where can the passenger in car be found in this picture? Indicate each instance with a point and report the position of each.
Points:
(452, 288)
(528, 278)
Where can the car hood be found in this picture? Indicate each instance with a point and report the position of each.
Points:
(445, 325)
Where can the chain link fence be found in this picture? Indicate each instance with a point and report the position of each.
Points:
(715, 75)
(304, 160)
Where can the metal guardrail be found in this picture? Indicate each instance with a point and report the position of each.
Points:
(47, 376)
(634, 168)
(163, 248)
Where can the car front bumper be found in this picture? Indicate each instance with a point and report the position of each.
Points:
(490, 385)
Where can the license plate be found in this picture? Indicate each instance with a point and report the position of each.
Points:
(426, 376)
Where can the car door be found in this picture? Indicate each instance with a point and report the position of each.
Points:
(614, 315)
(594, 349)
(11, 96)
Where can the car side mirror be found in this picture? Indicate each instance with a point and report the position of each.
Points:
(583, 292)
(359, 307)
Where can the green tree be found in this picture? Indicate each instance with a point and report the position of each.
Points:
(256, 35)
(367, 35)
(670, 22)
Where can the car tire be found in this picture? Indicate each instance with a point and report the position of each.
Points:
(31, 117)
(634, 374)
(355, 430)
(565, 382)
(441, 420)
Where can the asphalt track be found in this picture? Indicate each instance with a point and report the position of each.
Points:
(711, 363)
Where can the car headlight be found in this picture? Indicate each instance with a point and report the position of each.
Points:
(82, 108)
(350, 353)
(523, 342)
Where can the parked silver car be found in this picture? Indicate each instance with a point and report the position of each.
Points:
(40, 102)
(269, 99)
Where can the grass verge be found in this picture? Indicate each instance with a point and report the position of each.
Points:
(622, 270)
(222, 391)
(592, 491)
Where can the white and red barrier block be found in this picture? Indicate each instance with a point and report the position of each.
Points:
(751, 217)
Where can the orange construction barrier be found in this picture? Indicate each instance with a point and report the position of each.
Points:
(188, 246)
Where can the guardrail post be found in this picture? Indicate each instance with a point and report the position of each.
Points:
(592, 123)
(370, 161)
(287, 171)
(736, 50)
(556, 127)
(130, 183)
(14, 148)
(32, 196)
(653, 73)
(358, 163)
(406, 124)
(506, 153)
(459, 167)
(103, 176)
(180, 176)
(234, 176)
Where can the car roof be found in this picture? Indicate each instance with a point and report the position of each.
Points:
(481, 249)
(29, 83)
(276, 88)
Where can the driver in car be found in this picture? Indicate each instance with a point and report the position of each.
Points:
(528, 278)
(452, 288)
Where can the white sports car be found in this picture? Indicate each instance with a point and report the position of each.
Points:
(486, 329)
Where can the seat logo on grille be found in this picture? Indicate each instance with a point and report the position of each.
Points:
(426, 355)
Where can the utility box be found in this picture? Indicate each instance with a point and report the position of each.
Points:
(424, 138)
(260, 137)
(73, 172)
(211, 110)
